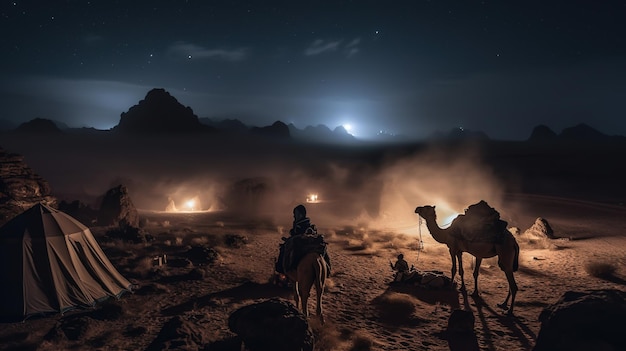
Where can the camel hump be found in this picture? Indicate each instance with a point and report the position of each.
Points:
(481, 222)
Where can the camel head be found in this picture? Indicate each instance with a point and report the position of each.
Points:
(426, 212)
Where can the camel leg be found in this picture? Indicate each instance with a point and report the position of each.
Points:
(453, 273)
(304, 297)
(476, 270)
(460, 258)
(511, 294)
(296, 294)
(320, 282)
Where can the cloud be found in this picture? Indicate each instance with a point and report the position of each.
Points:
(320, 46)
(199, 52)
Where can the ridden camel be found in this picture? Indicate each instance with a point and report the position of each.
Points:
(506, 249)
(310, 270)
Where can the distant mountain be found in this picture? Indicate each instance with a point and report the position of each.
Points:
(579, 132)
(38, 126)
(321, 133)
(227, 125)
(277, 130)
(542, 133)
(582, 132)
(159, 112)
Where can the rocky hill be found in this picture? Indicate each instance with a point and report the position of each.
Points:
(159, 112)
(20, 187)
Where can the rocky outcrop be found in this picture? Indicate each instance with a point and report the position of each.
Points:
(585, 320)
(117, 209)
(541, 229)
(159, 112)
(274, 324)
(20, 187)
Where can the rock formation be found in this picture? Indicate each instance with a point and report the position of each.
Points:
(274, 324)
(20, 187)
(159, 112)
(117, 209)
(584, 320)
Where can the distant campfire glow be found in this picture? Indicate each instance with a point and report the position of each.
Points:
(190, 204)
(312, 198)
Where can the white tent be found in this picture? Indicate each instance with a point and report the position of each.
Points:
(50, 262)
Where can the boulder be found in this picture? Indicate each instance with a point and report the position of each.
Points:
(540, 229)
(587, 320)
(274, 324)
(20, 187)
(178, 333)
(117, 209)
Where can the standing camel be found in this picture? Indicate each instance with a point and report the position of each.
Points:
(506, 249)
(311, 270)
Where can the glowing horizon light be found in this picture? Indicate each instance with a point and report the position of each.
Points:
(190, 204)
(347, 126)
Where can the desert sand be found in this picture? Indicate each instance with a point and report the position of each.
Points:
(362, 310)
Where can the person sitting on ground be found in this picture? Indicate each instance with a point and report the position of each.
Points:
(401, 267)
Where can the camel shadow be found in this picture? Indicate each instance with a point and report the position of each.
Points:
(518, 329)
(448, 296)
(246, 291)
(614, 279)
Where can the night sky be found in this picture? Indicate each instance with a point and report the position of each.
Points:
(403, 67)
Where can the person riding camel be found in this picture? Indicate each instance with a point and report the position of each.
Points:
(301, 226)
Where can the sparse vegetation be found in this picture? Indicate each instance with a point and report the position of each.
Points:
(600, 269)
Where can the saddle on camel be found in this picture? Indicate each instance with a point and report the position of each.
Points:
(480, 223)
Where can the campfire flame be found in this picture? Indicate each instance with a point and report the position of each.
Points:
(312, 198)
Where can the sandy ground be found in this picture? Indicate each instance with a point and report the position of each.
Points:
(363, 312)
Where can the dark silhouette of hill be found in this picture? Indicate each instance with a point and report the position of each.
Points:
(38, 126)
(321, 133)
(226, 125)
(277, 130)
(159, 112)
(580, 132)
(542, 133)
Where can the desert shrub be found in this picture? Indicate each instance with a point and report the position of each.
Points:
(235, 240)
(395, 307)
(361, 343)
(199, 241)
(600, 269)
(142, 267)
(200, 255)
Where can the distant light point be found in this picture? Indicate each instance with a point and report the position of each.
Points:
(189, 57)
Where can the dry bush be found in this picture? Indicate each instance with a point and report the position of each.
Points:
(600, 269)
(395, 306)
(143, 267)
(361, 343)
(199, 241)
